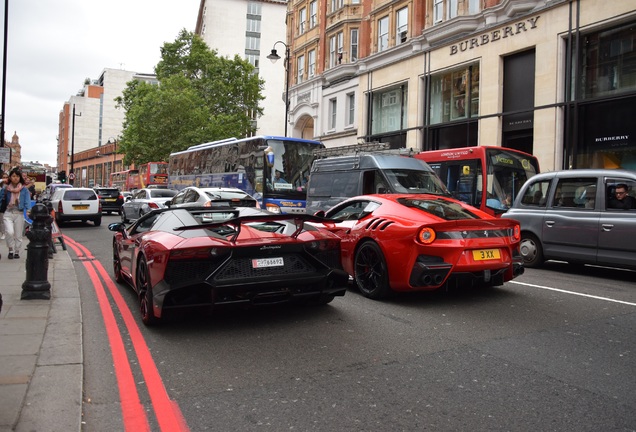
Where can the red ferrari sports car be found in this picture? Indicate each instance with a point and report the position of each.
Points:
(409, 242)
(186, 257)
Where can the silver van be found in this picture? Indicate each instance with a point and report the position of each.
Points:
(334, 179)
(574, 216)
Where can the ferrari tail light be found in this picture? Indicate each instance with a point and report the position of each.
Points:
(426, 235)
(516, 233)
(153, 205)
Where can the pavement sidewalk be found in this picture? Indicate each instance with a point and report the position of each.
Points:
(41, 358)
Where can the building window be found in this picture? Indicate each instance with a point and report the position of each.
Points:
(252, 43)
(336, 4)
(401, 25)
(608, 62)
(451, 9)
(351, 108)
(438, 11)
(254, 8)
(302, 20)
(455, 95)
(332, 113)
(313, 14)
(336, 45)
(253, 60)
(253, 25)
(473, 7)
(388, 110)
(383, 33)
(311, 67)
(353, 48)
(301, 68)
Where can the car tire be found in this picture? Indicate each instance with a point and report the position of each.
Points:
(531, 250)
(117, 264)
(370, 271)
(97, 221)
(122, 214)
(144, 291)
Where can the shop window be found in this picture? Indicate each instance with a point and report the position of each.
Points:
(455, 95)
(388, 110)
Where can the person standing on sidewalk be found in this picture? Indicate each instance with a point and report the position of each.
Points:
(3, 183)
(17, 198)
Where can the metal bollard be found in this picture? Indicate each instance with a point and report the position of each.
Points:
(49, 226)
(36, 285)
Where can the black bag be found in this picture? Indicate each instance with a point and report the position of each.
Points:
(5, 202)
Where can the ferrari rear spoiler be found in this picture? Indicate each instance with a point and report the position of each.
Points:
(236, 221)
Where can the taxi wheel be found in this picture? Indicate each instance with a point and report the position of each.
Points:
(371, 273)
(531, 250)
(144, 290)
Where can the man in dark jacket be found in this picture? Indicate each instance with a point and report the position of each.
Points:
(621, 199)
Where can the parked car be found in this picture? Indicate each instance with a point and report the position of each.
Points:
(143, 201)
(212, 197)
(201, 257)
(76, 204)
(50, 190)
(417, 242)
(111, 199)
(568, 216)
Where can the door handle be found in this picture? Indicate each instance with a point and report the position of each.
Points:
(607, 227)
(550, 223)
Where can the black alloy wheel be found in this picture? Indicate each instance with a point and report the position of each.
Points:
(117, 264)
(144, 291)
(371, 273)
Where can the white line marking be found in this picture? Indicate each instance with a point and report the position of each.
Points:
(574, 293)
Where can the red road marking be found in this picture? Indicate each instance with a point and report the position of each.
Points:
(166, 410)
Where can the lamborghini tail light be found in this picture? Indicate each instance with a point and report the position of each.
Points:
(198, 253)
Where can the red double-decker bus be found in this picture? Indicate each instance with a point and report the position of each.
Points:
(148, 174)
(485, 177)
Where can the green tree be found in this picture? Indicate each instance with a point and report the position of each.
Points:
(200, 97)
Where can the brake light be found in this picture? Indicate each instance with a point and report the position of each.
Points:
(516, 233)
(153, 205)
(60, 210)
(427, 235)
(197, 253)
(120, 197)
(323, 245)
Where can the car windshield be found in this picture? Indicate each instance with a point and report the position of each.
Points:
(439, 207)
(227, 195)
(412, 181)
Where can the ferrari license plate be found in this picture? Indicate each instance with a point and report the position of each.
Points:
(267, 262)
(486, 254)
(80, 207)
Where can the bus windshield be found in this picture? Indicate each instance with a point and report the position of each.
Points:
(506, 173)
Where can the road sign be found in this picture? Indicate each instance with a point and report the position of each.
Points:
(5, 155)
(71, 176)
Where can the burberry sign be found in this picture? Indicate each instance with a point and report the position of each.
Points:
(496, 35)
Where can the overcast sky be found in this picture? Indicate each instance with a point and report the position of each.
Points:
(53, 46)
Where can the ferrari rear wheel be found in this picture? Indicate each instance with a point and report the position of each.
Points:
(144, 291)
(371, 273)
(117, 264)
(531, 250)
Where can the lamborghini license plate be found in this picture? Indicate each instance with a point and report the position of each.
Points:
(267, 262)
(80, 207)
(486, 254)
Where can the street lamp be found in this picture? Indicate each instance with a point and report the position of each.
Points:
(72, 170)
(275, 57)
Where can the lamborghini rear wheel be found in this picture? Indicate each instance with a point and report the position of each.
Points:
(144, 291)
(371, 273)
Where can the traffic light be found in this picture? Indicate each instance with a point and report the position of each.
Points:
(61, 176)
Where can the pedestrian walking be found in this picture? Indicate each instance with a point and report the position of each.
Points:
(3, 184)
(14, 199)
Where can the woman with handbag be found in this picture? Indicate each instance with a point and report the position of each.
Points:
(17, 198)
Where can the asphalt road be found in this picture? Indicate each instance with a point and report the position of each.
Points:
(553, 350)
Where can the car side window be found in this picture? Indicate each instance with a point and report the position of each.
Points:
(575, 193)
(191, 196)
(178, 198)
(620, 194)
(352, 211)
(536, 194)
